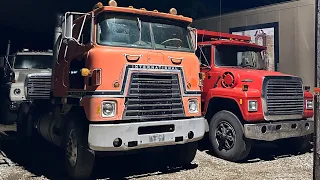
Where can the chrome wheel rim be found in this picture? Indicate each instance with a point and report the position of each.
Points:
(225, 135)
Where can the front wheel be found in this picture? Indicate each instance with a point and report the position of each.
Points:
(79, 159)
(181, 155)
(227, 138)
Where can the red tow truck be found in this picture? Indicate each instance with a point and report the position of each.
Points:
(244, 103)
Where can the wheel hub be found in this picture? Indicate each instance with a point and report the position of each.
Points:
(225, 135)
(72, 152)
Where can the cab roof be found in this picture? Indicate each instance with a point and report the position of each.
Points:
(140, 11)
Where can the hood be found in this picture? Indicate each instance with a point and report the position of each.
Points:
(245, 72)
(252, 77)
(21, 74)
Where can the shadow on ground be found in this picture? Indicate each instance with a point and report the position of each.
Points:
(47, 160)
(261, 151)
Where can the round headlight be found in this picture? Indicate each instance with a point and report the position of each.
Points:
(108, 109)
(17, 91)
(193, 106)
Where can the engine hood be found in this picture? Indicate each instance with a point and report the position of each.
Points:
(21, 74)
(253, 77)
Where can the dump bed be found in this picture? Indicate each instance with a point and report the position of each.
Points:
(205, 35)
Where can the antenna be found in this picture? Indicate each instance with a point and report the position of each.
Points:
(220, 18)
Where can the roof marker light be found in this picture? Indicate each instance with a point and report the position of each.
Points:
(173, 11)
(113, 3)
(97, 6)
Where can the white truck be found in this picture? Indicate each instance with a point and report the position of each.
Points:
(20, 81)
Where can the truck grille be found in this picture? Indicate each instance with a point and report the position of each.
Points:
(284, 96)
(38, 86)
(154, 97)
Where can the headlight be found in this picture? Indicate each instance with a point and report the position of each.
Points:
(17, 91)
(309, 104)
(252, 105)
(193, 106)
(108, 108)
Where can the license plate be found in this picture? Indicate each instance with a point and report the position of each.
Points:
(156, 138)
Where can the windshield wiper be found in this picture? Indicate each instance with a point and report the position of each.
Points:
(139, 27)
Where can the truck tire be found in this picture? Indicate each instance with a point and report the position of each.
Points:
(295, 145)
(226, 137)
(26, 133)
(181, 155)
(79, 159)
(8, 117)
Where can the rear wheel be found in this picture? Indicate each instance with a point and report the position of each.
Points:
(227, 138)
(28, 138)
(79, 159)
(181, 155)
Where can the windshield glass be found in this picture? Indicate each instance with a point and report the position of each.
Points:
(239, 56)
(142, 32)
(33, 62)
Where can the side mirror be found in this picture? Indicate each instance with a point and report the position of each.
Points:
(194, 38)
(67, 26)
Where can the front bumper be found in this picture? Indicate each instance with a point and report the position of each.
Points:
(101, 136)
(278, 130)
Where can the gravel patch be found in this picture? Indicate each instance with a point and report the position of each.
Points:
(47, 163)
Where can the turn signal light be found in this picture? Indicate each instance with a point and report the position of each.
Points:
(85, 72)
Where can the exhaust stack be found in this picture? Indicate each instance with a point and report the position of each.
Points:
(8, 48)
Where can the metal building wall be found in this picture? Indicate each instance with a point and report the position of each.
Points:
(296, 33)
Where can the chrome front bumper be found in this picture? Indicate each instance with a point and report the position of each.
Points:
(278, 130)
(142, 134)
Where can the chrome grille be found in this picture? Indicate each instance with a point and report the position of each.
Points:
(154, 96)
(284, 96)
(38, 86)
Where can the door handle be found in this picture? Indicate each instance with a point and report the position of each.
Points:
(175, 60)
(137, 56)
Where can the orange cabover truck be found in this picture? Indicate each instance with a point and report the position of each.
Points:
(123, 79)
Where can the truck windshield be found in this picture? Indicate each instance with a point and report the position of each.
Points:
(142, 32)
(33, 62)
(239, 56)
